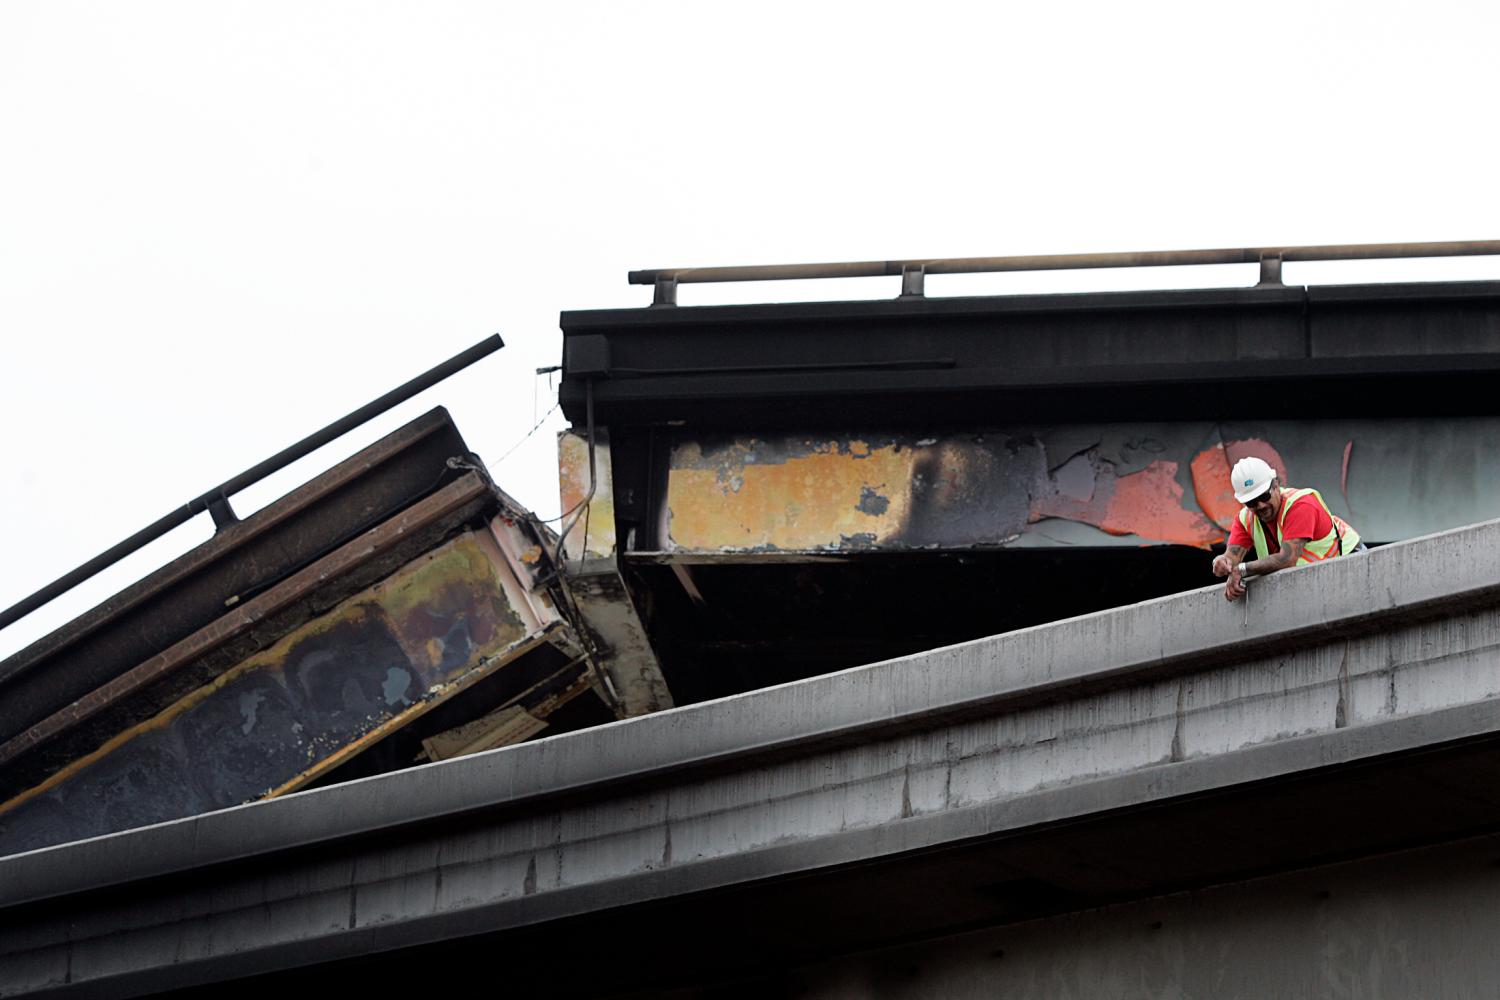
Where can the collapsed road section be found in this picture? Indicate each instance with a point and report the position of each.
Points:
(396, 609)
(1081, 766)
(753, 495)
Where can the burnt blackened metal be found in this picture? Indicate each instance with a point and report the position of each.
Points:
(138, 693)
(241, 561)
(293, 711)
(905, 492)
(1146, 484)
(499, 728)
(607, 610)
(596, 587)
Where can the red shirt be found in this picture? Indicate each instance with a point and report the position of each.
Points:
(1305, 519)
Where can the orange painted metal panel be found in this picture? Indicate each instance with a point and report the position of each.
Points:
(829, 494)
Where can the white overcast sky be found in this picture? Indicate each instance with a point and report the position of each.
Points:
(223, 225)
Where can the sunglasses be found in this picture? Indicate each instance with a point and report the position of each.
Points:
(1260, 501)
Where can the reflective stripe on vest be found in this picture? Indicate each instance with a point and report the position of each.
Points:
(1317, 549)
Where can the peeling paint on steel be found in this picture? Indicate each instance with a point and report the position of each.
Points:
(1148, 503)
(1210, 468)
(608, 612)
(956, 490)
(594, 534)
(290, 712)
(1143, 484)
(524, 585)
(755, 493)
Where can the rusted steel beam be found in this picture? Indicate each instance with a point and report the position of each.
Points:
(251, 613)
(1062, 261)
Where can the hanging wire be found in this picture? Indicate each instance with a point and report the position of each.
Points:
(588, 388)
(547, 371)
(535, 427)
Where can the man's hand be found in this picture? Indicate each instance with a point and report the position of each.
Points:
(1235, 588)
(1226, 562)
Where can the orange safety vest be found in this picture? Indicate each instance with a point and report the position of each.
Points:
(1340, 540)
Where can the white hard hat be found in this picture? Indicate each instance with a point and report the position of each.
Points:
(1251, 477)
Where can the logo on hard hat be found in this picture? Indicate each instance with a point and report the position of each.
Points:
(1249, 482)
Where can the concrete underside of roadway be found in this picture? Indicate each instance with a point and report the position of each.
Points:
(1418, 924)
(1349, 711)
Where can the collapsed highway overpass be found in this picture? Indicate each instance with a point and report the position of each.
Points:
(893, 814)
(922, 579)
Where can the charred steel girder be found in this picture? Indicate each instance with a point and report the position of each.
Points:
(239, 562)
(284, 716)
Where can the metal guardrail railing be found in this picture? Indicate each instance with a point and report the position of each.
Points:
(216, 500)
(912, 272)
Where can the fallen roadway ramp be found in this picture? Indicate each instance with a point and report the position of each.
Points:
(1180, 797)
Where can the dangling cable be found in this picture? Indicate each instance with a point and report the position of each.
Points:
(580, 510)
(583, 506)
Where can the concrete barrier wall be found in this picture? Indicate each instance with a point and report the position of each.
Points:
(1367, 656)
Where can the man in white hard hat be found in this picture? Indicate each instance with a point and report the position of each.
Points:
(1285, 526)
